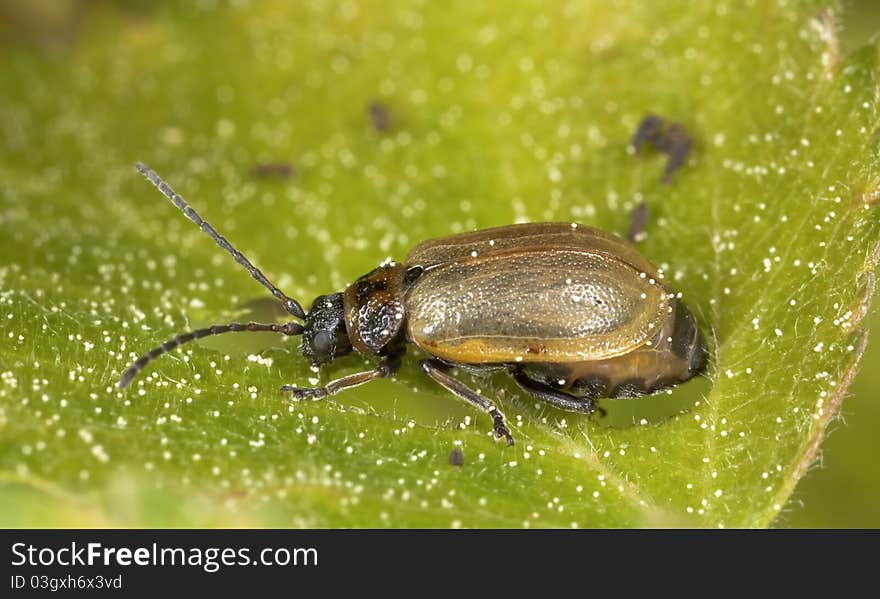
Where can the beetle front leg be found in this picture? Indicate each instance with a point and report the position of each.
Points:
(386, 368)
(436, 370)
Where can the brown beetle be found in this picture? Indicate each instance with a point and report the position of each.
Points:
(572, 313)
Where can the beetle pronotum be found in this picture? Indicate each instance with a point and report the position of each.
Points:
(572, 313)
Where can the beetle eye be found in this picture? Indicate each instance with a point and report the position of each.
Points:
(322, 342)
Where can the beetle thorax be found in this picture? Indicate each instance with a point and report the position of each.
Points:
(374, 310)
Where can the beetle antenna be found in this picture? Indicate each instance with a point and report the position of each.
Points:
(290, 328)
(290, 304)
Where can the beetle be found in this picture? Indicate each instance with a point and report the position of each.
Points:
(572, 313)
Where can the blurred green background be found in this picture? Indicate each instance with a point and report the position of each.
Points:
(843, 487)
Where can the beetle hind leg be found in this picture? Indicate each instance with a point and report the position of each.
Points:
(437, 371)
(554, 397)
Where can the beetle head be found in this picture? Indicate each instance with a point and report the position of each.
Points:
(324, 335)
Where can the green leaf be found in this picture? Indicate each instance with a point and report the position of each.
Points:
(496, 116)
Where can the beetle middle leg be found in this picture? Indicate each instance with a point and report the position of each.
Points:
(388, 367)
(555, 398)
(437, 371)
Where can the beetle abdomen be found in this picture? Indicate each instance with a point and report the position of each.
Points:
(539, 305)
(676, 354)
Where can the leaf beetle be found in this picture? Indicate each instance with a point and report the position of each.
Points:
(572, 313)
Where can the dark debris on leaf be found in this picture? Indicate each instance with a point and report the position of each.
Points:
(672, 139)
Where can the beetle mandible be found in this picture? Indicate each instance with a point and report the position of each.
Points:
(572, 313)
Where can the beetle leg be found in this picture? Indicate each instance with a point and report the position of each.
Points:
(436, 370)
(559, 399)
(386, 368)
